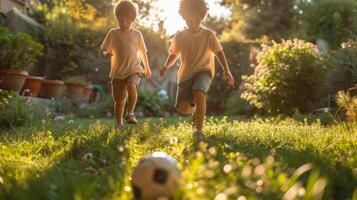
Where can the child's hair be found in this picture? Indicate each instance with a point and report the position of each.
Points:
(199, 7)
(126, 9)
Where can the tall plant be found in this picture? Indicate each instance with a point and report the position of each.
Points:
(18, 51)
(290, 76)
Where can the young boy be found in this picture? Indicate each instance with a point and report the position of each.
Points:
(196, 46)
(126, 47)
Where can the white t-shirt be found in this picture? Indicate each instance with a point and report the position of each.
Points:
(125, 47)
(196, 51)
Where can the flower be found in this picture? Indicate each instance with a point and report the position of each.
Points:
(88, 156)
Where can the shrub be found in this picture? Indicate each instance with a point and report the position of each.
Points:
(15, 112)
(98, 110)
(76, 80)
(151, 104)
(334, 21)
(18, 51)
(349, 104)
(235, 105)
(289, 76)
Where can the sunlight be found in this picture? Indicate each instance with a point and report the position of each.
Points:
(172, 19)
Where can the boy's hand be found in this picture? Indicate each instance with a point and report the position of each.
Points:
(163, 70)
(148, 74)
(107, 54)
(229, 78)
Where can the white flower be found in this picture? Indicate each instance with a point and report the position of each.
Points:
(88, 156)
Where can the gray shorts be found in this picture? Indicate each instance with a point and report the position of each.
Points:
(200, 81)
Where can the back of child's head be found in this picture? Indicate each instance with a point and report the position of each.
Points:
(194, 7)
(126, 9)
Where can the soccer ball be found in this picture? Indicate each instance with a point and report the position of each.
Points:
(155, 176)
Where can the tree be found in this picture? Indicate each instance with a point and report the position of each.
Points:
(333, 21)
(257, 19)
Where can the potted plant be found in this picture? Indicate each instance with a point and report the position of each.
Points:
(51, 89)
(76, 85)
(18, 53)
(32, 86)
(87, 93)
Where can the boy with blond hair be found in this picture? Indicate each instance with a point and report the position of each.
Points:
(196, 46)
(126, 47)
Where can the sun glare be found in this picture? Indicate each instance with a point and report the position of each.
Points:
(172, 19)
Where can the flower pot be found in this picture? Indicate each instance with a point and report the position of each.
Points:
(75, 89)
(32, 86)
(51, 89)
(12, 80)
(87, 93)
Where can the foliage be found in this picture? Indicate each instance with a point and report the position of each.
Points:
(88, 159)
(18, 51)
(258, 19)
(334, 21)
(324, 118)
(235, 105)
(16, 112)
(343, 70)
(151, 104)
(289, 76)
(3, 19)
(76, 80)
(348, 103)
(101, 109)
(238, 60)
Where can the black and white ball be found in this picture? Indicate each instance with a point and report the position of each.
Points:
(155, 176)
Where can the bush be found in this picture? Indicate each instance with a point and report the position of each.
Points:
(76, 80)
(290, 76)
(18, 51)
(97, 110)
(235, 105)
(324, 118)
(343, 72)
(15, 112)
(348, 103)
(151, 104)
(334, 21)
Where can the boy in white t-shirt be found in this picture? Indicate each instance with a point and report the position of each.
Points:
(196, 46)
(126, 47)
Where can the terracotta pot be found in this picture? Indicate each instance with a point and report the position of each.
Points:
(75, 89)
(87, 93)
(51, 89)
(12, 80)
(32, 86)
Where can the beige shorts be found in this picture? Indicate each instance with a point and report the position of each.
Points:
(119, 86)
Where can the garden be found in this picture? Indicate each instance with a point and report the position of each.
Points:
(286, 130)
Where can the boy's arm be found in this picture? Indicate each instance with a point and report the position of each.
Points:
(169, 62)
(223, 61)
(144, 59)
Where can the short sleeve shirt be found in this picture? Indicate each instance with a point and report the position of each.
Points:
(196, 51)
(125, 47)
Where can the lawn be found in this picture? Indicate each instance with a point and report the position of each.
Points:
(260, 159)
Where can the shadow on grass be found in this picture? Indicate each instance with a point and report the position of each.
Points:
(92, 168)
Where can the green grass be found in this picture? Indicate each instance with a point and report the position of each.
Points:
(88, 159)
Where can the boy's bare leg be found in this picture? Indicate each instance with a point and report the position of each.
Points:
(186, 108)
(132, 91)
(120, 95)
(200, 113)
(132, 98)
